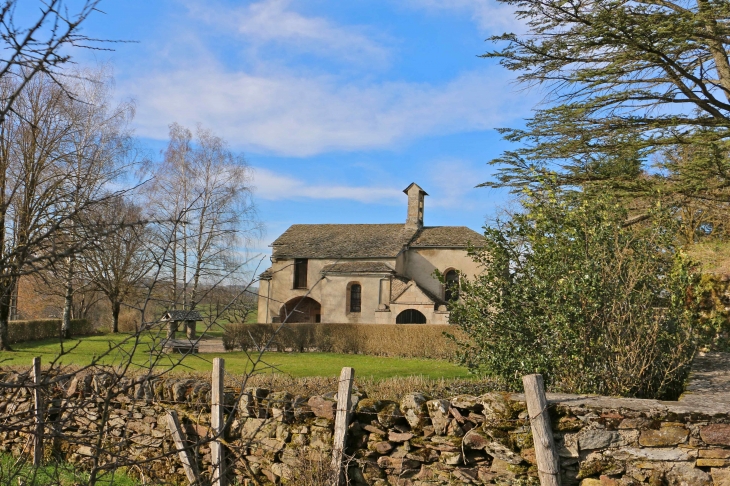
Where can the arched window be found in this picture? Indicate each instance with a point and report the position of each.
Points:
(451, 284)
(354, 296)
(410, 316)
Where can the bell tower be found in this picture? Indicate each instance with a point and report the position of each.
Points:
(416, 197)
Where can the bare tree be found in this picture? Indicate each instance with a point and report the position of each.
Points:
(41, 45)
(118, 262)
(53, 165)
(98, 145)
(201, 196)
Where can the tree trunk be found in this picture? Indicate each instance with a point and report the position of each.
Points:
(4, 313)
(116, 306)
(13, 315)
(68, 303)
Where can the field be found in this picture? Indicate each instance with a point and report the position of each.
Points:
(293, 364)
(20, 472)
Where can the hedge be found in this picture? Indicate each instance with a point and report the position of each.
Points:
(397, 340)
(19, 331)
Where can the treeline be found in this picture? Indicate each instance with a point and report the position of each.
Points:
(88, 224)
(622, 179)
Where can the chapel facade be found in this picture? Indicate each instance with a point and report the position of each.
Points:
(367, 273)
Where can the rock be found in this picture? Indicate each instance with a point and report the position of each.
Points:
(399, 437)
(665, 436)
(398, 465)
(715, 453)
(257, 429)
(503, 453)
(383, 447)
(716, 434)
(684, 474)
(454, 429)
(246, 404)
(367, 410)
(389, 414)
(450, 458)
(497, 407)
(591, 482)
(438, 410)
(413, 407)
(501, 467)
(475, 440)
(597, 439)
(321, 407)
(653, 454)
(529, 455)
(423, 455)
(720, 477)
(467, 402)
(635, 423)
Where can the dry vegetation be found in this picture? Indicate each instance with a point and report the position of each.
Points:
(393, 340)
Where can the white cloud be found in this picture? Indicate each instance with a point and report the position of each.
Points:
(491, 16)
(272, 186)
(293, 115)
(276, 21)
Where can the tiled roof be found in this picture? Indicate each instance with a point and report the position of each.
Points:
(342, 241)
(366, 240)
(182, 315)
(359, 267)
(266, 274)
(446, 236)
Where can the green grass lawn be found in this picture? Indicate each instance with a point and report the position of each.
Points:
(14, 471)
(294, 364)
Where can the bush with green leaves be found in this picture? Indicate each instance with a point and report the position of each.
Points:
(573, 291)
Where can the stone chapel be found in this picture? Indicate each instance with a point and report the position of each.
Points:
(367, 273)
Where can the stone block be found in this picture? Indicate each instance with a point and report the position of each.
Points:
(665, 436)
(716, 434)
(413, 407)
(685, 474)
(593, 439)
(720, 477)
(712, 463)
(714, 453)
(438, 410)
(321, 407)
(389, 414)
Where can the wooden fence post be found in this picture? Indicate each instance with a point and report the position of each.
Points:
(217, 423)
(548, 465)
(38, 413)
(344, 391)
(187, 459)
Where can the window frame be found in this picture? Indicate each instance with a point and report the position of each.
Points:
(301, 268)
(449, 289)
(348, 298)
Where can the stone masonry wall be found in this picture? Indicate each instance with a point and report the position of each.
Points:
(418, 441)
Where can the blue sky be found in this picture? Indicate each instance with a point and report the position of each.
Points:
(338, 106)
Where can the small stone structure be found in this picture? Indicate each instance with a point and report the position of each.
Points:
(188, 317)
(417, 441)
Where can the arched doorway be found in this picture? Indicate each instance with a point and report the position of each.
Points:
(301, 309)
(410, 316)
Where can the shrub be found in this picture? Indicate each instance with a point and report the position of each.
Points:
(398, 340)
(572, 292)
(19, 331)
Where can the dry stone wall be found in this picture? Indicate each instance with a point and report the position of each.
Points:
(274, 436)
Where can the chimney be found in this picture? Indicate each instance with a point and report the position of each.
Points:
(415, 206)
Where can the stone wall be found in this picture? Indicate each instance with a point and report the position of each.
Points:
(421, 441)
